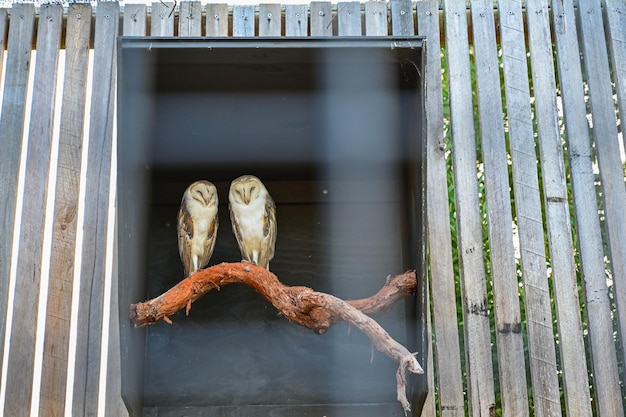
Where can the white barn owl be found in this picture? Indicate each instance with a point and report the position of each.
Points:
(197, 225)
(253, 216)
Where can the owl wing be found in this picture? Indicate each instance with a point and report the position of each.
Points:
(269, 233)
(210, 242)
(237, 232)
(185, 233)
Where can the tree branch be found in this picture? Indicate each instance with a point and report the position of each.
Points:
(314, 310)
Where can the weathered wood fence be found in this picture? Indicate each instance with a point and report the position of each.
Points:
(539, 121)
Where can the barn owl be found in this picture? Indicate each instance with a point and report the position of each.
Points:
(197, 225)
(253, 216)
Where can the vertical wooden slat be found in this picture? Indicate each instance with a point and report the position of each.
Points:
(190, 19)
(115, 406)
(162, 19)
(321, 18)
(596, 64)
(20, 372)
(217, 19)
(4, 16)
(509, 340)
(402, 17)
(11, 130)
(349, 18)
(376, 18)
(607, 394)
(243, 21)
(615, 17)
(134, 20)
(571, 343)
(444, 305)
(469, 228)
(269, 20)
(89, 327)
(57, 335)
(430, 407)
(6, 239)
(296, 21)
(541, 348)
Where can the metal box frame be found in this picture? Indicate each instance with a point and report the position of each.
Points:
(334, 127)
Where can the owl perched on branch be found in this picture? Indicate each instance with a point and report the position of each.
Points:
(197, 225)
(253, 216)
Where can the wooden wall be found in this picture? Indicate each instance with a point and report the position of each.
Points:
(538, 133)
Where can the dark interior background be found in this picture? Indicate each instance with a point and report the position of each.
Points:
(334, 131)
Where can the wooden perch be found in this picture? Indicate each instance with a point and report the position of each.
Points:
(314, 310)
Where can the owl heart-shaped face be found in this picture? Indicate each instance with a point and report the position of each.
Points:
(246, 190)
(203, 192)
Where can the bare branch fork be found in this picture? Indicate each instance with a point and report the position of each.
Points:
(314, 310)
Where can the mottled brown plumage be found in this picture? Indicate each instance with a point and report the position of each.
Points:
(197, 225)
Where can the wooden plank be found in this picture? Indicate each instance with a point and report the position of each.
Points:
(509, 338)
(597, 306)
(596, 64)
(217, 19)
(11, 131)
(190, 19)
(376, 18)
(89, 327)
(615, 18)
(430, 407)
(162, 19)
(243, 21)
(134, 20)
(571, 342)
(541, 348)
(20, 369)
(321, 18)
(444, 306)
(402, 17)
(469, 228)
(115, 406)
(58, 313)
(349, 18)
(4, 18)
(269, 19)
(296, 21)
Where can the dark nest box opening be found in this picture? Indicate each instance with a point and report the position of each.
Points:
(334, 128)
